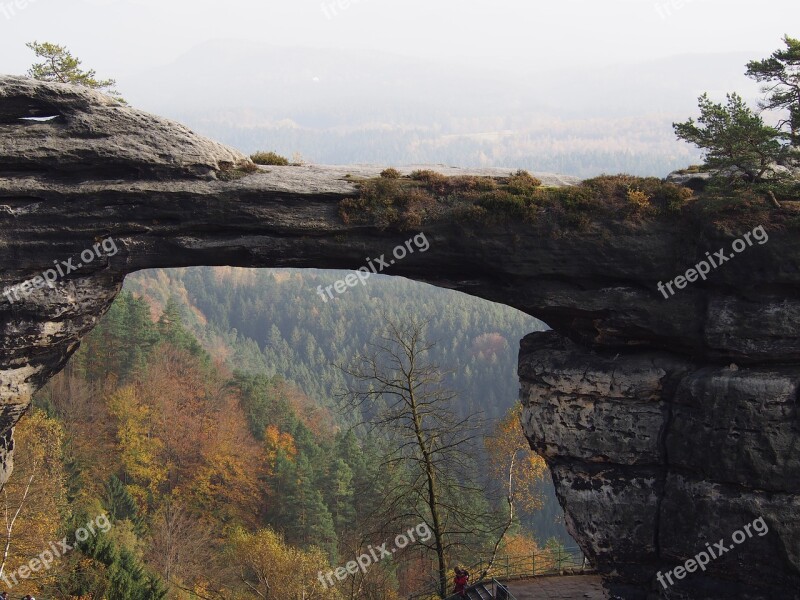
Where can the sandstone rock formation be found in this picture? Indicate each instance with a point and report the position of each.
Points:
(667, 423)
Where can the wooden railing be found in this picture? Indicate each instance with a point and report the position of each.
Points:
(543, 562)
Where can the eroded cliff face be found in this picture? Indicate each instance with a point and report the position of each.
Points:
(655, 455)
(667, 423)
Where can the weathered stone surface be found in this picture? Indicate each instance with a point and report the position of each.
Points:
(654, 456)
(613, 510)
(693, 180)
(653, 441)
(590, 407)
(697, 513)
(89, 127)
(755, 327)
(739, 426)
(600, 421)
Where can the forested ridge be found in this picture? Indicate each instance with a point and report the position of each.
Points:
(274, 322)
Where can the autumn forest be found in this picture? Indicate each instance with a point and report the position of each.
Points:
(213, 415)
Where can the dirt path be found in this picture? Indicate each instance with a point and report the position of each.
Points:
(558, 588)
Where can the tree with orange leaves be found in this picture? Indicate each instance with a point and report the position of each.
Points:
(275, 442)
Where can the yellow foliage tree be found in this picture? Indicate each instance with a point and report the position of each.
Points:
(270, 568)
(512, 462)
(139, 448)
(520, 545)
(34, 499)
(226, 485)
(212, 461)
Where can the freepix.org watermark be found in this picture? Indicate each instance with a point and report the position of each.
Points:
(10, 9)
(665, 9)
(374, 555)
(702, 559)
(56, 550)
(62, 268)
(418, 242)
(703, 268)
(331, 8)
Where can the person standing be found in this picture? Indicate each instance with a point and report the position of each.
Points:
(460, 581)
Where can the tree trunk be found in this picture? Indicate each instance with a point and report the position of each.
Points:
(433, 499)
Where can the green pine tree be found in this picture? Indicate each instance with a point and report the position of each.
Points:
(734, 138)
(780, 74)
(303, 515)
(60, 66)
(172, 330)
(120, 505)
(339, 495)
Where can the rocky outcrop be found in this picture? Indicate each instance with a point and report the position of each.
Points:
(655, 455)
(667, 423)
(694, 179)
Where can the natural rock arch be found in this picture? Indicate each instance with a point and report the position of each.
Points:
(657, 443)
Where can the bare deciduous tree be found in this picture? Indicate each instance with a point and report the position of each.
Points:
(402, 396)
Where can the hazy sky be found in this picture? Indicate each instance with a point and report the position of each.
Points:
(120, 37)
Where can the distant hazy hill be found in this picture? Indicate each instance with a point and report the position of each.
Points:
(337, 106)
